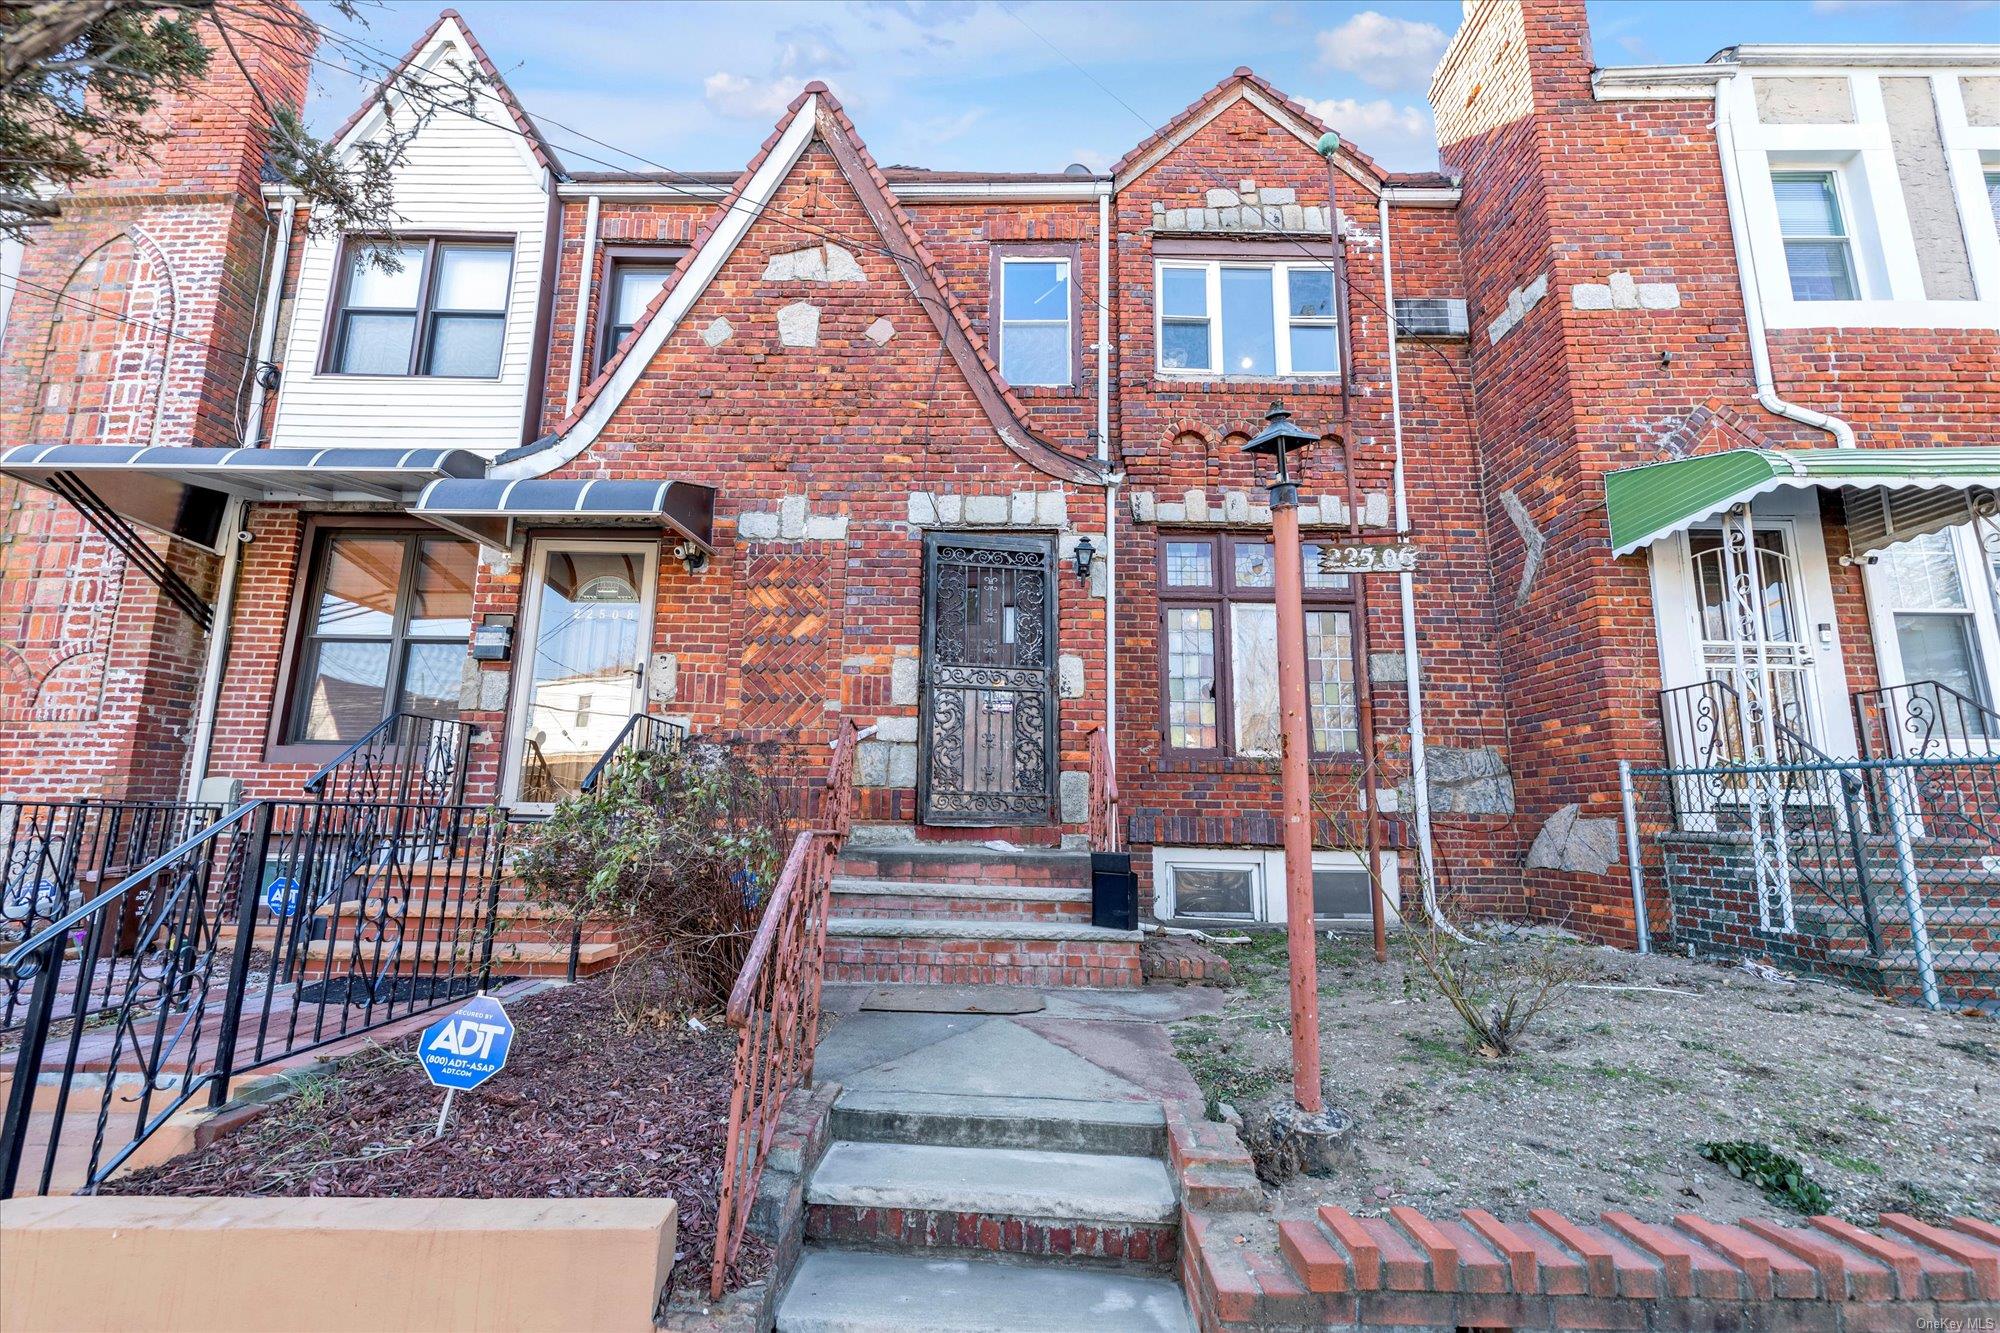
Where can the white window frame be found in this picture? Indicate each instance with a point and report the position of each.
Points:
(1267, 867)
(1845, 236)
(1001, 321)
(1282, 321)
(1982, 605)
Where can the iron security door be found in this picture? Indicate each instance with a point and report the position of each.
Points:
(989, 701)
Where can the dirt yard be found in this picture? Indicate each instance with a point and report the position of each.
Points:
(586, 1107)
(1616, 1086)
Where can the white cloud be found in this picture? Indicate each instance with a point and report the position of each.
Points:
(1399, 137)
(1383, 52)
(741, 98)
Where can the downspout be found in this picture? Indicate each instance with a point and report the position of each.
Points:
(579, 327)
(267, 335)
(233, 539)
(1111, 486)
(1420, 777)
(1746, 271)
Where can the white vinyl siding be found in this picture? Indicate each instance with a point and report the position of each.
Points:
(475, 178)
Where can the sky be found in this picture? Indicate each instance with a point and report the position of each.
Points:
(1021, 85)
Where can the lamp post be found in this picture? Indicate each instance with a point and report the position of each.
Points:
(1279, 438)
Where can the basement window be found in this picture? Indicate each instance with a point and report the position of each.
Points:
(1247, 884)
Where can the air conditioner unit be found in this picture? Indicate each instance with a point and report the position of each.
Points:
(1430, 317)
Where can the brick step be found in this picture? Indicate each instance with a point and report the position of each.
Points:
(511, 958)
(966, 1120)
(974, 863)
(1077, 1207)
(842, 1291)
(519, 921)
(853, 897)
(941, 951)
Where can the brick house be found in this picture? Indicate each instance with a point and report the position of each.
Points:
(958, 456)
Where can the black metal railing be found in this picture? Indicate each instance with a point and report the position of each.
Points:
(277, 929)
(405, 759)
(1924, 719)
(55, 854)
(1712, 738)
(643, 733)
(1887, 878)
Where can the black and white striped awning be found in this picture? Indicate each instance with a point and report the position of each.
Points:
(181, 490)
(488, 511)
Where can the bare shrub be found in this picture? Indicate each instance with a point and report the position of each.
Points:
(1497, 989)
(681, 848)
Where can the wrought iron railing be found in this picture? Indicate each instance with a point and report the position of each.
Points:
(277, 929)
(643, 733)
(774, 1006)
(55, 854)
(1107, 826)
(1924, 719)
(1870, 887)
(405, 759)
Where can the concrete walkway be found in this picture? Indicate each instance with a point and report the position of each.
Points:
(1099, 1046)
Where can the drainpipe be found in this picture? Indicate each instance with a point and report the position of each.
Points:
(233, 538)
(1746, 270)
(1111, 488)
(267, 335)
(1420, 778)
(579, 329)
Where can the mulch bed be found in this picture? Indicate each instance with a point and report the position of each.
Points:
(585, 1108)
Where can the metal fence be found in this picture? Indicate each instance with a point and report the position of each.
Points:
(55, 854)
(1881, 873)
(279, 928)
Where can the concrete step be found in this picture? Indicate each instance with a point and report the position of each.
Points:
(965, 862)
(854, 896)
(836, 1291)
(943, 951)
(1080, 1208)
(956, 1120)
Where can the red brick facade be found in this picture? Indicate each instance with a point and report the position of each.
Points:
(1536, 681)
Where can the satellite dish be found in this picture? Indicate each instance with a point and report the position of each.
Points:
(1077, 169)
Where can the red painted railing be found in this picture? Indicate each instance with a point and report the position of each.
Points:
(1107, 832)
(774, 1006)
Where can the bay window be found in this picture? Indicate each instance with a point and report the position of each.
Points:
(1219, 638)
(384, 629)
(1246, 320)
(438, 307)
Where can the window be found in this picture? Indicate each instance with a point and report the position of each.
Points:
(1248, 884)
(1251, 321)
(1818, 255)
(441, 311)
(386, 625)
(630, 284)
(1926, 599)
(1219, 641)
(1035, 305)
(1993, 195)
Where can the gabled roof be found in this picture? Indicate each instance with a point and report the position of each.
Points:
(814, 114)
(531, 133)
(1243, 84)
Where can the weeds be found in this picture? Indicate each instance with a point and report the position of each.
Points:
(1782, 1178)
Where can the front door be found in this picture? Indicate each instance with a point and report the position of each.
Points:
(1773, 655)
(989, 697)
(586, 631)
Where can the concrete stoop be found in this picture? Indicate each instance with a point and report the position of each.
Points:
(971, 914)
(961, 1212)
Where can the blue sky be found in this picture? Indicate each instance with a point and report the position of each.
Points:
(1022, 85)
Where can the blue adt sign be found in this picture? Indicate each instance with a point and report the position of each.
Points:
(281, 896)
(463, 1051)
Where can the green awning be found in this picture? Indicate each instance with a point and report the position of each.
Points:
(1891, 495)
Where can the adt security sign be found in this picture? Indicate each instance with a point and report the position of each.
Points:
(463, 1051)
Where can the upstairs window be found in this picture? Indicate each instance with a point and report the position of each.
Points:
(1035, 308)
(630, 284)
(1993, 195)
(1819, 253)
(1247, 321)
(440, 310)
(386, 626)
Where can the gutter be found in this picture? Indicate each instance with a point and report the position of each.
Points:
(1753, 305)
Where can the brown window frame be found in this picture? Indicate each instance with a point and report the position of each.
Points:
(1217, 597)
(996, 276)
(335, 336)
(672, 255)
(285, 742)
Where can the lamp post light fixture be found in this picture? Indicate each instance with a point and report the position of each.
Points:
(1085, 555)
(1280, 438)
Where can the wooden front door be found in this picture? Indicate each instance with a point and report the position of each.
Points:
(989, 697)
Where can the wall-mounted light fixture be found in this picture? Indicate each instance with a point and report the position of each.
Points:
(1086, 552)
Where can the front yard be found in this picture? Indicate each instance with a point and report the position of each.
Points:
(1616, 1087)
